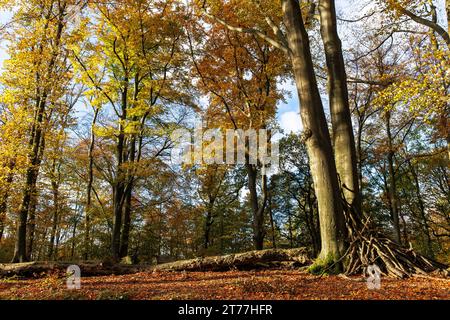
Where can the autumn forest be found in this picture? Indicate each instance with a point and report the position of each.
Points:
(349, 98)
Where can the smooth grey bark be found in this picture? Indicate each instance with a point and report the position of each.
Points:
(343, 136)
(316, 135)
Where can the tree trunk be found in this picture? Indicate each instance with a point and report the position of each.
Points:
(119, 186)
(118, 199)
(317, 136)
(4, 200)
(33, 270)
(2, 224)
(74, 232)
(257, 210)
(20, 254)
(124, 243)
(271, 258)
(128, 197)
(32, 171)
(360, 159)
(272, 222)
(55, 218)
(208, 221)
(31, 226)
(32, 209)
(392, 192)
(87, 222)
(343, 136)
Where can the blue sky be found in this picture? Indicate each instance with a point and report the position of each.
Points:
(288, 113)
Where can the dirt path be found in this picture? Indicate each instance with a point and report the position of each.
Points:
(225, 285)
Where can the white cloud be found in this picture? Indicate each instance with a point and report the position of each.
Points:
(291, 122)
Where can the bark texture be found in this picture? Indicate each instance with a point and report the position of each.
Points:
(317, 136)
(343, 136)
(243, 261)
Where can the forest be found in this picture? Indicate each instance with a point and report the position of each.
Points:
(350, 99)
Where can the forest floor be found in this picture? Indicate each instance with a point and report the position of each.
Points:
(248, 285)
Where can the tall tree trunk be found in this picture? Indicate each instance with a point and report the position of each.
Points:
(5, 196)
(31, 226)
(208, 221)
(20, 254)
(392, 192)
(55, 218)
(128, 197)
(360, 160)
(317, 136)
(257, 209)
(74, 232)
(118, 200)
(2, 222)
(124, 243)
(343, 136)
(32, 209)
(272, 222)
(119, 186)
(32, 171)
(87, 221)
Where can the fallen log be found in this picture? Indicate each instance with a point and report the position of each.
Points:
(43, 269)
(264, 259)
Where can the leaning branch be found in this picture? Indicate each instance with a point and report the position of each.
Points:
(430, 24)
(273, 42)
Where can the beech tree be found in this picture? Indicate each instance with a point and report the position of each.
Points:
(92, 91)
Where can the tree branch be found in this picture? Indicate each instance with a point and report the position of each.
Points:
(279, 45)
(430, 24)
